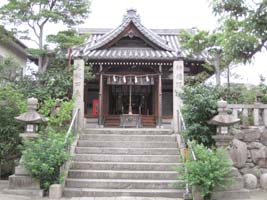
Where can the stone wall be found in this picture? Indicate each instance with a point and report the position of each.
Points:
(249, 154)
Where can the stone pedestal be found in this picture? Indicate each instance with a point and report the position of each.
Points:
(236, 189)
(55, 191)
(21, 183)
(130, 120)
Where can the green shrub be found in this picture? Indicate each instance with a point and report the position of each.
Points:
(199, 106)
(12, 103)
(44, 156)
(210, 170)
(59, 113)
(54, 83)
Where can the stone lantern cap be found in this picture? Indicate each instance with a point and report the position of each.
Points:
(31, 116)
(223, 118)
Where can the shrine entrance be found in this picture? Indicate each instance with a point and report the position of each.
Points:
(141, 99)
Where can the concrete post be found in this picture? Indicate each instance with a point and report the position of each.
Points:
(178, 82)
(235, 113)
(78, 89)
(265, 117)
(256, 115)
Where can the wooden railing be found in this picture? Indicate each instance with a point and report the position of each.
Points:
(250, 114)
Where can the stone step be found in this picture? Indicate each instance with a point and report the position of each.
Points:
(84, 192)
(129, 131)
(112, 174)
(126, 158)
(133, 138)
(90, 143)
(141, 166)
(124, 184)
(129, 151)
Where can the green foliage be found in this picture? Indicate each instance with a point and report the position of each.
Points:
(33, 16)
(59, 112)
(44, 156)
(54, 83)
(10, 70)
(211, 169)
(208, 45)
(12, 103)
(37, 13)
(5, 35)
(66, 39)
(244, 24)
(200, 105)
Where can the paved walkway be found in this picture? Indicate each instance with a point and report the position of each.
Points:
(255, 195)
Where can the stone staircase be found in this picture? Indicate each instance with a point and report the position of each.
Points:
(124, 162)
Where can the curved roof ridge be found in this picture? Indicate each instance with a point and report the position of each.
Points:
(135, 19)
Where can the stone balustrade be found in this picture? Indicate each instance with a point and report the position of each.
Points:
(250, 114)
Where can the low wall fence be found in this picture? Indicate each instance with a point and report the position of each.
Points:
(250, 114)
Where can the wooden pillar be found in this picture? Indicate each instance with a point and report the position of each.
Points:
(78, 89)
(160, 98)
(178, 82)
(100, 111)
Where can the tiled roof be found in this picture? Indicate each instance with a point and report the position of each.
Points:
(166, 39)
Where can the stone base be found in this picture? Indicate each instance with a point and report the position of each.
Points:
(23, 185)
(19, 181)
(25, 192)
(231, 194)
(20, 170)
(55, 191)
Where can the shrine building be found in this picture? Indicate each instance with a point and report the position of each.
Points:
(137, 74)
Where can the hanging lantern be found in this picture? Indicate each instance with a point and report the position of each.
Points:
(147, 79)
(124, 79)
(114, 79)
(135, 79)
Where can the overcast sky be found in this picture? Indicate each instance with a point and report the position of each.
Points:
(163, 14)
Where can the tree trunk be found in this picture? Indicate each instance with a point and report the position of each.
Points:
(40, 57)
(217, 69)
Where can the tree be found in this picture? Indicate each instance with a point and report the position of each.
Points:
(9, 71)
(208, 46)
(37, 14)
(244, 23)
(5, 35)
(12, 103)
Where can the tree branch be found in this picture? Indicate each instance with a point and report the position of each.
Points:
(258, 48)
(51, 6)
(33, 28)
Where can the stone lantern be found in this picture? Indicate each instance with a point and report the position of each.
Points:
(31, 119)
(21, 182)
(223, 121)
(224, 139)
